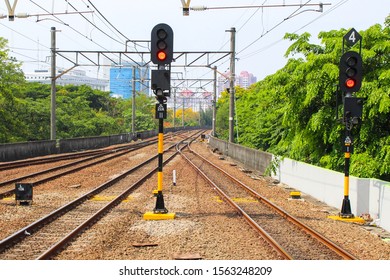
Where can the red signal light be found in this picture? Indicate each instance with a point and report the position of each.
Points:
(350, 83)
(161, 55)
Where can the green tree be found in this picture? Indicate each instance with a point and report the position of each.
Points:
(292, 112)
(11, 104)
(222, 116)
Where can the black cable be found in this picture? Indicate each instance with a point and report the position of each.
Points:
(93, 24)
(66, 24)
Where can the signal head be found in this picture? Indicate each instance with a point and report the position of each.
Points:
(161, 44)
(350, 72)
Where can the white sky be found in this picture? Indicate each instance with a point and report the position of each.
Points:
(29, 40)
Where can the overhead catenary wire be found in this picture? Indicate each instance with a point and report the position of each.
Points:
(116, 29)
(342, 2)
(264, 33)
(94, 25)
(68, 25)
(75, 30)
(144, 73)
(274, 27)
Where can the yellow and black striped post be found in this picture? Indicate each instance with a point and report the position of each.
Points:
(160, 212)
(160, 207)
(346, 207)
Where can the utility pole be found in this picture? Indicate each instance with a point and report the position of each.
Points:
(133, 104)
(53, 85)
(200, 109)
(232, 80)
(174, 108)
(214, 101)
(182, 113)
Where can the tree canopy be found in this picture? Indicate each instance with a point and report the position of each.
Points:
(292, 113)
(80, 110)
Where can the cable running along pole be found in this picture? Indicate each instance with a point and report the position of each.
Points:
(232, 80)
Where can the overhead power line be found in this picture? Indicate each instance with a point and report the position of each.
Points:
(204, 8)
(68, 25)
(342, 2)
(94, 25)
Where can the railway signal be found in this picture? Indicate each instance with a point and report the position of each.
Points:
(161, 53)
(350, 76)
(350, 81)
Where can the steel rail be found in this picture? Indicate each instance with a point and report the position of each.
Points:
(53, 251)
(251, 222)
(41, 181)
(34, 161)
(328, 243)
(53, 158)
(35, 226)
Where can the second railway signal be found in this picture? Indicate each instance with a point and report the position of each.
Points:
(350, 75)
(161, 48)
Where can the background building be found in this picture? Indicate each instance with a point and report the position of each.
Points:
(73, 77)
(244, 80)
(121, 80)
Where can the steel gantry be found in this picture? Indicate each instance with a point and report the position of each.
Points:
(183, 59)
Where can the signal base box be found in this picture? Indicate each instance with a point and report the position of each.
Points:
(23, 193)
(161, 79)
(353, 107)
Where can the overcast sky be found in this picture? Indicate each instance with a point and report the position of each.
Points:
(259, 45)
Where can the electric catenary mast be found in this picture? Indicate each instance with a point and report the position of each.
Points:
(161, 53)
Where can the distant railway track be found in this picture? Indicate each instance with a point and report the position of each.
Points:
(287, 235)
(55, 158)
(61, 169)
(36, 178)
(47, 236)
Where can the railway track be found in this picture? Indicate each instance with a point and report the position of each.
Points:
(287, 235)
(61, 169)
(45, 237)
(49, 159)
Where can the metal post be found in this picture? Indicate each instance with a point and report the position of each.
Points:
(160, 207)
(232, 78)
(346, 207)
(174, 108)
(182, 113)
(200, 109)
(53, 85)
(133, 104)
(214, 102)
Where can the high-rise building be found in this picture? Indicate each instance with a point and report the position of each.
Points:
(121, 80)
(244, 80)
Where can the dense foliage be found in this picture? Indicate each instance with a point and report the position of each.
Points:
(81, 111)
(292, 113)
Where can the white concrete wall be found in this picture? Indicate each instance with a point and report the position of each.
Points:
(367, 196)
(370, 196)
